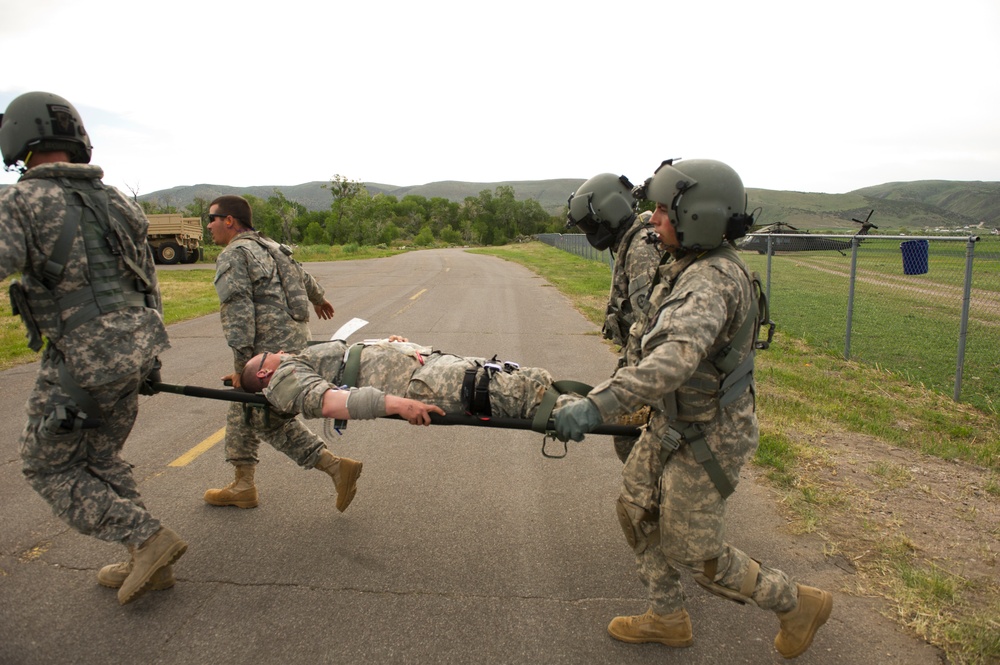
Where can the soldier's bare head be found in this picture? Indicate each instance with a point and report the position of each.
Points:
(258, 371)
(236, 207)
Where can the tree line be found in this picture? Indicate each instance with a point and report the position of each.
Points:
(358, 217)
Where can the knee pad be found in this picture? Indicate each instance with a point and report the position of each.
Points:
(638, 524)
(743, 596)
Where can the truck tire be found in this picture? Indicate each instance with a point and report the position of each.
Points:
(193, 255)
(169, 253)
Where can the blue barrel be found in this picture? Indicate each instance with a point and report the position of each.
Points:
(914, 257)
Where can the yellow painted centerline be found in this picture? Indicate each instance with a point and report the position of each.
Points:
(193, 454)
(412, 298)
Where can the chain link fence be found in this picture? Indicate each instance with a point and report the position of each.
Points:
(925, 307)
(576, 243)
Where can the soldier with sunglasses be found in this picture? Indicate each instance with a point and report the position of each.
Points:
(264, 300)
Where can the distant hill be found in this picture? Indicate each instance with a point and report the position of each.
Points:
(918, 205)
(550, 194)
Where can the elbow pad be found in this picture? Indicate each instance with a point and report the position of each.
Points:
(365, 403)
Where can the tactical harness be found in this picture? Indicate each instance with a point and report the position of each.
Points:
(737, 373)
(296, 303)
(640, 283)
(109, 289)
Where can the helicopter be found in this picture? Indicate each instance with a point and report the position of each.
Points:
(784, 242)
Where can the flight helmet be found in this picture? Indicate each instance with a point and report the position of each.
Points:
(602, 208)
(42, 122)
(706, 199)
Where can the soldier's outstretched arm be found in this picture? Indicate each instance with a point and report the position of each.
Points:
(367, 403)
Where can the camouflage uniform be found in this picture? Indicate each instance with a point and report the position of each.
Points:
(693, 313)
(253, 319)
(635, 265)
(80, 472)
(404, 369)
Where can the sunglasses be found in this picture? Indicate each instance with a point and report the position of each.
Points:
(262, 359)
(212, 216)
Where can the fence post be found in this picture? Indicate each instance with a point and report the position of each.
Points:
(850, 296)
(770, 253)
(963, 331)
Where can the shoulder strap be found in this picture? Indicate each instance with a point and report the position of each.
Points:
(703, 455)
(728, 359)
(55, 266)
(349, 377)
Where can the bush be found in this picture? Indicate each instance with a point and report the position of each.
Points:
(316, 235)
(424, 238)
(351, 248)
(451, 236)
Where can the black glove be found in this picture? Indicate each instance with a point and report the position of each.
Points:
(146, 387)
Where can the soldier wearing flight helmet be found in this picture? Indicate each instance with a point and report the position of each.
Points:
(691, 360)
(605, 210)
(88, 292)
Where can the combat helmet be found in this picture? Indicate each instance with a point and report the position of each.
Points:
(706, 199)
(42, 122)
(602, 208)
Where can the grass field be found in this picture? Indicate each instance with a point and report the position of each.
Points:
(908, 324)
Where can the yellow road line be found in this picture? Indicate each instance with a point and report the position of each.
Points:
(412, 298)
(193, 454)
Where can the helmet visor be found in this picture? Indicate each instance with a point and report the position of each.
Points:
(581, 213)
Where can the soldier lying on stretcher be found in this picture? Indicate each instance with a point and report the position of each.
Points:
(310, 382)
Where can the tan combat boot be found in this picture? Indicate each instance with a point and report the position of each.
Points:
(672, 629)
(241, 493)
(799, 626)
(114, 575)
(345, 473)
(159, 551)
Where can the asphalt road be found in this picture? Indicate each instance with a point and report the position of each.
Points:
(464, 545)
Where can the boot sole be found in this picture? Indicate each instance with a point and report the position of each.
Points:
(652, 640)
(167, 559)
(153, 586)
(350, 482)
(817, 623)
(237, 504)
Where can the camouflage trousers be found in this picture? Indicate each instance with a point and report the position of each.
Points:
(285, 434)
(660, 574)
(692, 518)
(81, 473)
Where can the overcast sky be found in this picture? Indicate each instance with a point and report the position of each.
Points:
(795, 95)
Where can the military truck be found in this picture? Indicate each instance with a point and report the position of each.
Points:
(175, 238)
